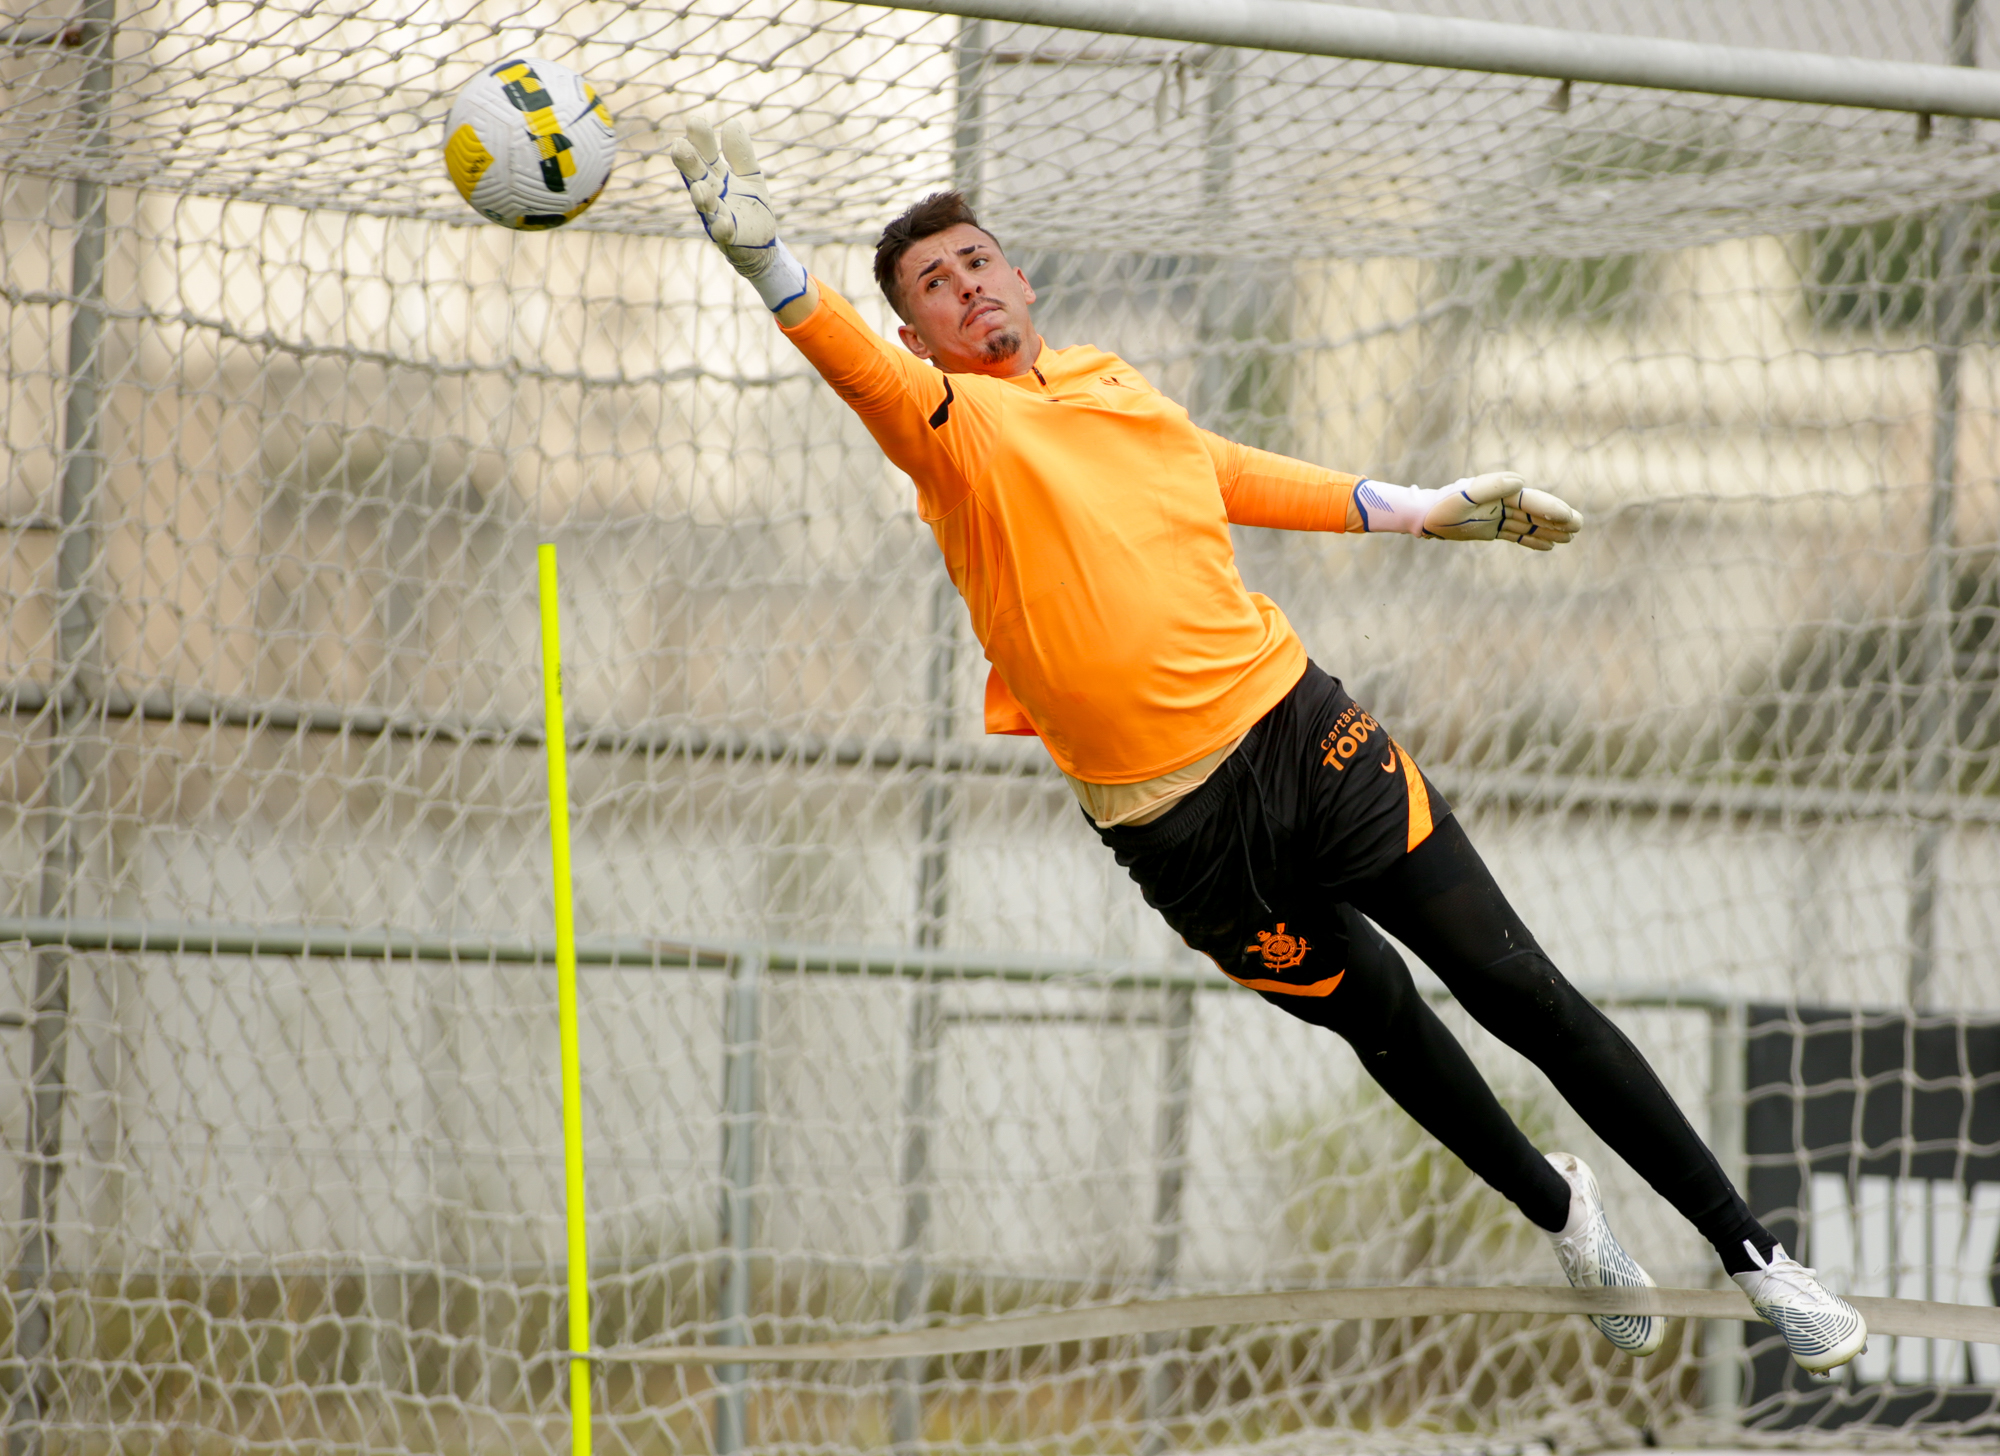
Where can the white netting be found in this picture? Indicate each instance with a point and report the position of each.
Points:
(273, 483)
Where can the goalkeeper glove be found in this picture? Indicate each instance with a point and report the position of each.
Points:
(727, 189)
(1478, 508)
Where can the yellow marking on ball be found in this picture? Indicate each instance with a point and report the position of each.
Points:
(556, 149)
(526, 91)
(538, 109)
(466, 158)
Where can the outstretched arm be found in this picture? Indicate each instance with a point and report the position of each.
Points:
(726, 185)
(906, 404)
(1263, 489)
(1260, 488)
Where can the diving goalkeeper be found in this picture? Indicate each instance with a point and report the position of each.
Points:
(1266, 815)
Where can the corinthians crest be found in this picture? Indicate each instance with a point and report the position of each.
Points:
(1280, 951)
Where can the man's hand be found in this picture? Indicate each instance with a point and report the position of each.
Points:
(1500, 507)
(1496, 507)
(727, 188)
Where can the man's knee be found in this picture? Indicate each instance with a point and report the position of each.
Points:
(1523, 996)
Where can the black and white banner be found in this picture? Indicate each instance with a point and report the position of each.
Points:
(1873, 1143)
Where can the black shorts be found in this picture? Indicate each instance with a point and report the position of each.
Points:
(1251, 867)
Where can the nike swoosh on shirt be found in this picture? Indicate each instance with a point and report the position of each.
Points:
(1390, 766)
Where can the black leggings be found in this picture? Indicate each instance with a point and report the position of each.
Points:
(1440, 900)
(1319, 819)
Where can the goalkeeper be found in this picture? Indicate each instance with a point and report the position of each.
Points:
(1263, 813)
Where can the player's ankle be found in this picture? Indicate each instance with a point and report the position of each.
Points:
(1551, 1205)
(1734, 1247)
(1577, 1207)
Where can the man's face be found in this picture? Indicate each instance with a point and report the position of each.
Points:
(968, 311)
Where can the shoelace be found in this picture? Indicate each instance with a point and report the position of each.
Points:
(1585, 1245)
(1784, 1267)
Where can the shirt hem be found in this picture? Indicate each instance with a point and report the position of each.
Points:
(1229, 732)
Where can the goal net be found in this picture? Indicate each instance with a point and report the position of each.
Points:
(875, 1034)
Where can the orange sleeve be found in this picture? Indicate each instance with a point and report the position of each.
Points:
(903, 401)
(1263, 489)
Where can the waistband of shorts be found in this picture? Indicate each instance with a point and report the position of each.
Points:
(1180, 822)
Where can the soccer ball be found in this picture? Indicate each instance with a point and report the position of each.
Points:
(528, 144)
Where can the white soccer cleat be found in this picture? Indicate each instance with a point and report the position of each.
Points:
(1821, 1329)
(1594, 1259)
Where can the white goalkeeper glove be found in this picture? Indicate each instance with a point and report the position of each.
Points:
(1495, 507)
(727, 189)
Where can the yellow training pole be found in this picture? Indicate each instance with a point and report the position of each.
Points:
(572, 1076)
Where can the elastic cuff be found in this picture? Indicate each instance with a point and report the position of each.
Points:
(1386, 507)
(781, 279)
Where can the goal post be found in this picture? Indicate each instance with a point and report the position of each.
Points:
(873, 1034)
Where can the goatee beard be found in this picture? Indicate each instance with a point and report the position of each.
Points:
(1000, 347)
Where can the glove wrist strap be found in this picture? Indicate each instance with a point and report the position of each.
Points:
(1386, 507)
(778, 277)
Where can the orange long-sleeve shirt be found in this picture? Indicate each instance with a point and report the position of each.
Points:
(1085, 520)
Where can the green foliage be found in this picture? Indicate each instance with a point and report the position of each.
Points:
(1611, 288)
(1372, 1198)
(1234, 323)
(1586, 289)
(1245, 380)
(1509, 292)
(1845, 703)
(1870, 276)
(1885, 275)
(1581, 291)
(1607, 155)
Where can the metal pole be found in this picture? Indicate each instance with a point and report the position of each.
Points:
(926, 1023)
(1722, 1340)
(739, 1179)
(1306, 27)
(912, 1277)
(934, 809)
(1171, 1160)
(1938, 707)
(66, 785)
(1217, 366)
(934, 817)
(969, 125)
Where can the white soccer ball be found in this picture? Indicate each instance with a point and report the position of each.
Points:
(528, 144)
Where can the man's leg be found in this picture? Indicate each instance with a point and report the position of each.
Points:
(1242, 869)
(1441, 901)
(1248, 869)
(1376, 1008)
(1416, 1060)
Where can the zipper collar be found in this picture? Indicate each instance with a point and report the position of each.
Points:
(1020, 381)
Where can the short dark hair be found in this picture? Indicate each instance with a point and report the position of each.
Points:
(920, 220)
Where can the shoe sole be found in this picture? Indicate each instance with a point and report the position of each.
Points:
(1637, 1334)
(1829, 1357)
